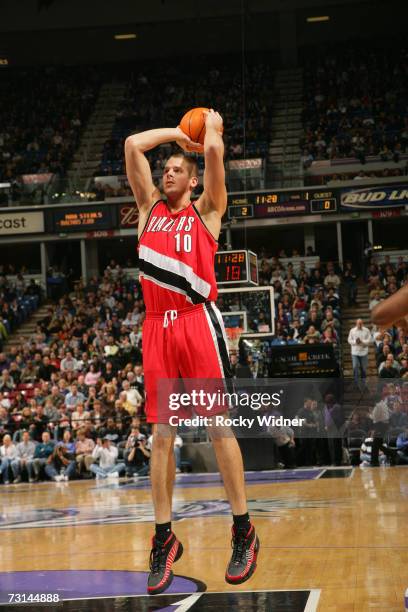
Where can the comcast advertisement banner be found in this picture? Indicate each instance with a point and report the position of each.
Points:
(21, 223)
(364, 198)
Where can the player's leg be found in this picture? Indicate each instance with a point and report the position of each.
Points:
(166, 548)
(203, 354)
(245, 542)
(158, 364)
(229, 454)
(162, 471)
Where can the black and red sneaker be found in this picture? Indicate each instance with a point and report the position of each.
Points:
(162, 557)
(245, 547)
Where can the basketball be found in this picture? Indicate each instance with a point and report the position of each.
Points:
(193, 124)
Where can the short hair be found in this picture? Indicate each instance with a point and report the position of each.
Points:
(190, 160)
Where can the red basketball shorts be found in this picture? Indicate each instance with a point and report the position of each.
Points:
(189, 344)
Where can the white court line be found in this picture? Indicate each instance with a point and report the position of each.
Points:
(186, 604)
(313, 600)
(311, 604)
(319, 475)
(335, 467)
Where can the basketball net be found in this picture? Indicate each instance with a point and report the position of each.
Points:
(233, 334)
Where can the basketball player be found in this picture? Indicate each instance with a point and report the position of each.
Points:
(183, 333)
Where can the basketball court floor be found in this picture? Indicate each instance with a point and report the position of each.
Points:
(331, 539)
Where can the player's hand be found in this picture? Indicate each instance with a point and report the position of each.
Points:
(185, 143)
(214, 120)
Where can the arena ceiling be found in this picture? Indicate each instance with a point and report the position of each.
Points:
(71, 31)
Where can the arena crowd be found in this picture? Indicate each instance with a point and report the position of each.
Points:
(42, 118)
(72, 395)
(391, 345)
(355, 104)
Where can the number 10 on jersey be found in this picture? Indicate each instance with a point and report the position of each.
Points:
(183, 243)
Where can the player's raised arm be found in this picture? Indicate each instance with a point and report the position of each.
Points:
(138, 168)
(214, 198)
(393, 310)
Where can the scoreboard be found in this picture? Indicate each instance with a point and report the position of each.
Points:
(267, 204)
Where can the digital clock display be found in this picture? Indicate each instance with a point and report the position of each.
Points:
(238, 211)
(323, 205)
(236, 267)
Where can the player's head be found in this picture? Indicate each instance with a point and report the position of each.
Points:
(180, 175)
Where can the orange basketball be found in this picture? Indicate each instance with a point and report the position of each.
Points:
(193, 124)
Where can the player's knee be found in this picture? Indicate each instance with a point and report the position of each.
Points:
(163, 436)
(219, 432)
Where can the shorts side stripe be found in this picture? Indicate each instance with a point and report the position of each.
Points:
(215, 340)
(219, 339)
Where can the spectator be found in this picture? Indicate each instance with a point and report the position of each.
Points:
(330, 321)
(73, 398)
(137, 454)
(46, 369)
(284, 438)
(332, 280)
(398, 418)
(309, 431)
(92, 376)
(83, 448)
(366, 454)
(132, 397)
(380, 417)
(40, 422)
(402, 446)
(60, 464)
(334, 426)
(359, 339)
(42, 452)
(8, 452)
(79, 416)
(69, 363)
(15, 373)
(387, 368)
(25, 454)
(350, 280)
(29, 375)
(6, 382)
(107, 454)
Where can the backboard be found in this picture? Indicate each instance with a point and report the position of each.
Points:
(251, 308)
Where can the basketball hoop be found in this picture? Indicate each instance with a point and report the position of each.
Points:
(233, 334)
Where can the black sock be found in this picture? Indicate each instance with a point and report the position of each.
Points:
(242, 522)
(163, 530)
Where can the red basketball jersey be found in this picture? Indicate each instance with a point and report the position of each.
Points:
(176, 259)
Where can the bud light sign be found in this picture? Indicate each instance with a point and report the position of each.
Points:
(386, 196)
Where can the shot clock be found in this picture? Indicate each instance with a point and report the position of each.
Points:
(236, 268)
